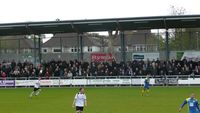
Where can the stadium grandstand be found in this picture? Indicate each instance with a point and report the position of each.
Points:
(140, 52)
(134, 49)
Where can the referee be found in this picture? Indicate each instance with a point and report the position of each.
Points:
(80, 101)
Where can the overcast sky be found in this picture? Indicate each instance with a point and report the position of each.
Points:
(48, 10)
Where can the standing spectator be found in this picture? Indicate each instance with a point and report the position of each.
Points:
(16, 72)
(47, 74)
(33, 73)
(65, 73)
(56, 72)
(115, 72)
(3, 75)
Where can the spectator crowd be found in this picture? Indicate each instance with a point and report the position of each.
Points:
(76, 68)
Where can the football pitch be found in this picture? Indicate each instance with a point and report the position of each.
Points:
(100, 100)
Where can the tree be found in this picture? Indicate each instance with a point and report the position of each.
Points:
(157, 40)
(179, 38)
(177, 10)
(183, 38)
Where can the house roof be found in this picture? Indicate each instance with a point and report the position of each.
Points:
(15, 42)
(133, 37)
(71, 40)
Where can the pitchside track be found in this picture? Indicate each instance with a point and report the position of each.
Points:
(100, 100)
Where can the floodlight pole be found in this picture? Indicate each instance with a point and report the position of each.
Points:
(123, 48)
(167, 44)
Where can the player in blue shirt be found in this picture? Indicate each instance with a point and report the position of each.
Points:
(193, 104)
(145, 89)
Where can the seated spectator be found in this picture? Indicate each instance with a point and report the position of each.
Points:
(77, 68)
(69, 74)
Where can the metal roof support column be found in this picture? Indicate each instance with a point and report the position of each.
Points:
(78, 46)
(34, 41)
(61, 49)
(190, 41)
(123, 46)
(102, 44)
(158, 40)
(0, 48)
(167, 44)
(18, 50)
(145, 42)
(81, 46)
(18, 46)
(39, 49)
(197, 33)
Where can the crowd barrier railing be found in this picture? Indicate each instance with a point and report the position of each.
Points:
(167, 80)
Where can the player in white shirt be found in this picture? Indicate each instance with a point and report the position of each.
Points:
(36, 90)
(80, 101)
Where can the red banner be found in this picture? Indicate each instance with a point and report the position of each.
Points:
(101, 57)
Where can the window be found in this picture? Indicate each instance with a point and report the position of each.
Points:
(126, 49)
(137, 48)
(57, 50)
(10, 51)
(74, 50)
(134, 48)
(27, 51)
(89, 49)
(141, 48)
(119, 49)
(44, 50)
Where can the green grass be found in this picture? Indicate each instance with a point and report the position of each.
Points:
(100, 100)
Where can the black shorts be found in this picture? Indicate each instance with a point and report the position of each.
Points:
(78, 108)
(35, 89)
